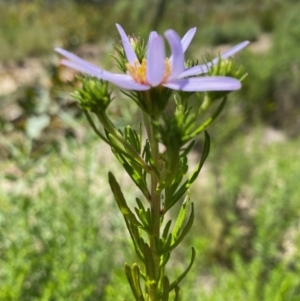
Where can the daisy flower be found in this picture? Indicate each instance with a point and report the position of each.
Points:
(158, 70)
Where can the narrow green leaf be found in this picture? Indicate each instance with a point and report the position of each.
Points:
(183, 232)
(148, 158)
(136, 279)
(134, 289)
(136, 239)
(140, 204)
(175, 283)
(166, 229)
(165, 287)
(143, 217)
(188, 148)
(177, 293)
(206, 123)
(167, 244)
(170, 190)
(141, 136)
(186, 185)
(119, 197)
(165, 259)
(149, 261)
(181, 218)
(135, 173)
(132, 137)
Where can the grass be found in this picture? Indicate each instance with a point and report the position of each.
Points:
(57, 230)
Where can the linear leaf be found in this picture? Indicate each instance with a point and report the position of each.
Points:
(134, 289)
(175, 283)
(181, 218)
(165, 287)
(119, 197)
(136, 279)
(186, 185)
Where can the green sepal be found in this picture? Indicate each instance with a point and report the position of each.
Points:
(134, 281)
(186, 185)
(165, 289)
(175, 283)
(119, 197)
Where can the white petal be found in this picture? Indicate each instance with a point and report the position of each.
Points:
(152, 35)
(123, 81)
(232, 51)
(74, 58)
(177, 53)
(203, 68)
(200, 84)
(196, 70)
(188, 37)
(130, 54)
(156, 61)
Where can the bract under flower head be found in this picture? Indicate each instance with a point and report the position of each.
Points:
(158, 70)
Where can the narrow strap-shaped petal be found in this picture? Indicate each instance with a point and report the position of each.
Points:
(188, 37)
(177, 53)
(196, 70)
(232, 51)
(152, 35)
(130, 54)
(74, 58)
(156, 61)
(123, 81)
(200, 84)
(203, 68)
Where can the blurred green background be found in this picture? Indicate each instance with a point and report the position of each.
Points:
(61, 237)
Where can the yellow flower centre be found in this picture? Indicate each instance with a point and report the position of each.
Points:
(139, 71)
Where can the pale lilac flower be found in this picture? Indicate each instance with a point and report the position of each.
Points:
(158, 70)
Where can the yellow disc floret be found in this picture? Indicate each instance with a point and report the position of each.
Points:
(139, 74)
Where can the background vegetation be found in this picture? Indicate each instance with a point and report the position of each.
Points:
(61, 237)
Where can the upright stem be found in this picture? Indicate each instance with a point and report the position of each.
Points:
(155, 210)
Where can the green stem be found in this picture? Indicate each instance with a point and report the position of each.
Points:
(155, 215)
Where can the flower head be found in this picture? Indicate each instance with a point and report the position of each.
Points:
(158, 70)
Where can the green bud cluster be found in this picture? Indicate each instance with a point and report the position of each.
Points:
(228, 67)
(93, 95)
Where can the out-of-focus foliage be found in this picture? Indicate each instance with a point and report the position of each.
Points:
(57, 227)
